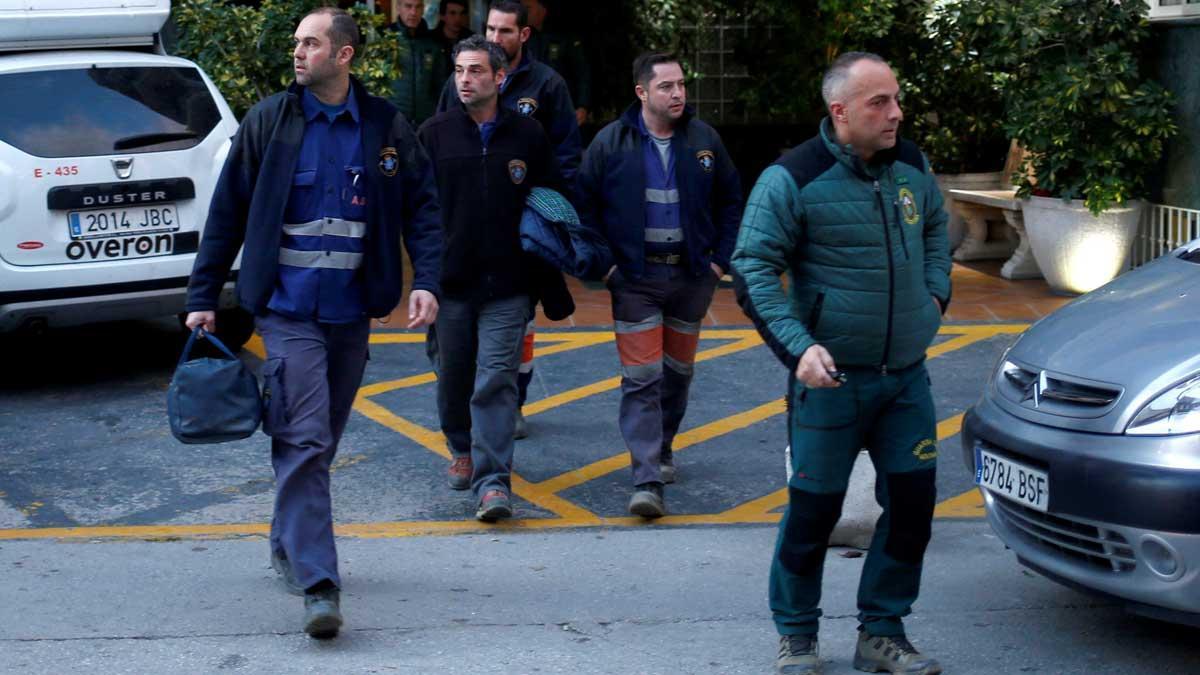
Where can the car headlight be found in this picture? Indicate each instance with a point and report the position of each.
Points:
(1175, 411)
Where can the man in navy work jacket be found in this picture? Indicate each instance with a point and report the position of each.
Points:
(320, 185)
(532, 89)
(487, 158)
(661, 189)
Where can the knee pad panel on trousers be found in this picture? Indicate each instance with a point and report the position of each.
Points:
(911, 498)
(810, 520)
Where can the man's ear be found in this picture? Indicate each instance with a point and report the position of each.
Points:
(524, 34)
(640, 92)
(345, 55)
(837, 110)
(500, 75)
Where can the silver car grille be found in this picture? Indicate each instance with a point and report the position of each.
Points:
(1095, 546)
(1054, 394)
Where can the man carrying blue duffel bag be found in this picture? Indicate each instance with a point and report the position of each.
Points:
(321, 183)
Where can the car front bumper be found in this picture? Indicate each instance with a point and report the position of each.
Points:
(1123, 511)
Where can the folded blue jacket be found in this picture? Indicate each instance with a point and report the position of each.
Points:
(550, 229)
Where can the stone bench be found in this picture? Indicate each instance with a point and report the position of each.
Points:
(979, 207)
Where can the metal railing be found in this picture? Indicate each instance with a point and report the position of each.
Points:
(710, 50)
(1163, 228)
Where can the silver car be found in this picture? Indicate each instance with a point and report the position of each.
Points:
(1086, 441)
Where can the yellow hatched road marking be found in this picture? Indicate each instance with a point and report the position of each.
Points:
(543, 494)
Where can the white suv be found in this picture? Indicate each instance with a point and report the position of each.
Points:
(108, 160)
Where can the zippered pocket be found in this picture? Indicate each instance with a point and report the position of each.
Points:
(814, 314)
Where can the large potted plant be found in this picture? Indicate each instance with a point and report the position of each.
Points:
(1092, 124)
(955, 110)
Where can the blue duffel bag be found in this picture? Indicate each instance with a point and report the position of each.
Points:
(212, 400)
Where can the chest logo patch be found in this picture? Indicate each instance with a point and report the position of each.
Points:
(707, 160)
(389, 162)
(516, 171)
(908, 207)
(527, 106)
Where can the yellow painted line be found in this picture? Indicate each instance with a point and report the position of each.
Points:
(434, 442)
(967, 505)
(684, 440)
(742, 340)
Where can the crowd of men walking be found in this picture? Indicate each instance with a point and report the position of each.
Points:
(325, 180)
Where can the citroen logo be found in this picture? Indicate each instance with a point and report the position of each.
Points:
(123, 167)
(1034, 390)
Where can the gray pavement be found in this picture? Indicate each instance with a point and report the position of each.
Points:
(647, 600)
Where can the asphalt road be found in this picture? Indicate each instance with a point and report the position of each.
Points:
(126, 551)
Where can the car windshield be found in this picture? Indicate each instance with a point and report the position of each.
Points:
(101, 111)
(1191, 255)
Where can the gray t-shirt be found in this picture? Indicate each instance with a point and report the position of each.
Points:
(664, 151)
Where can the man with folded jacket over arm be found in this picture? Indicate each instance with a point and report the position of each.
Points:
(486, 158)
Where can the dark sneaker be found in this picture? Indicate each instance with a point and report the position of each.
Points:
(459, 473)
(798, 655)
(876, 654)
(322, 613)
(284, 569)
(647, 501)
(521, 427)
(494, 506)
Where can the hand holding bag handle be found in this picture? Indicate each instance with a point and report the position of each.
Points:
(212, 400)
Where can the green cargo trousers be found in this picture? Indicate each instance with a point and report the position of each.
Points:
(893, 417)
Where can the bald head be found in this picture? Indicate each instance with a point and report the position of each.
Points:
(863, 98)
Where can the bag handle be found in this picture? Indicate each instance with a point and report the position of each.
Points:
(191, 341)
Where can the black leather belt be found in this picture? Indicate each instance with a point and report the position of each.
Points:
(672, 259)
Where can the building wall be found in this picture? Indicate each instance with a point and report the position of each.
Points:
(1178, 65)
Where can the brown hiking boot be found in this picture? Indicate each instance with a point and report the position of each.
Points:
(459, 473)
(878, 654)
(798, 655)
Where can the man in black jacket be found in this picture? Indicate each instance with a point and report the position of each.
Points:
(534, 90)
(486, 159)
(319, 187)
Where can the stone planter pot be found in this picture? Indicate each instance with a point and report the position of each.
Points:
(1077, 251)
(993, 180)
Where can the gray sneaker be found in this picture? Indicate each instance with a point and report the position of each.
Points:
(284, 569)
(647, 501)
(667, 469)
(876, 654)
(798, 655)
(322, 613)
(521, 427)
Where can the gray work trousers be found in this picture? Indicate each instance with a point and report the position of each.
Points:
(478, 354)
(657, 320)
(312, 373)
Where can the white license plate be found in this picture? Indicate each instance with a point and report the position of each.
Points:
(99, 223)
(1015, 481)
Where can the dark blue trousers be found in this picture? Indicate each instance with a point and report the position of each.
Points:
(311, 376)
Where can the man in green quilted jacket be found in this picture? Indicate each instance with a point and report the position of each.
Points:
(856, 219)
(422, 65)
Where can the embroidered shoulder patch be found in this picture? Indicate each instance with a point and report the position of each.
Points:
(707, 160)
(908, 207)
(516, 171)
(527, 106)
(389, 162)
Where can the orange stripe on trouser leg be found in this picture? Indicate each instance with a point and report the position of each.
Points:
(527, 344)
(640, 348)
(681, 346)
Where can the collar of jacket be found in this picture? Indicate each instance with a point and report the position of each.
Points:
(847, 155)
(422, 29)
(630, 117)
(503, 116)
(295, 92)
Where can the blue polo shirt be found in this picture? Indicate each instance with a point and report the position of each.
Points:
(324, 222)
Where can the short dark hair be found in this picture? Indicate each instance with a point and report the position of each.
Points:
(343, 29)
(839, 71)
(643, 65)
(511, 7)
(497, 59)
(444, 4)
